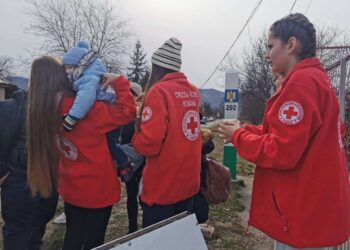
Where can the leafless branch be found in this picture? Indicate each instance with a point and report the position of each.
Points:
(62, 23)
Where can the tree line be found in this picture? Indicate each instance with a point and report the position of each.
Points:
(60, 24)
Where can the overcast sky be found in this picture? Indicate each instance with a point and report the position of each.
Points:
(206, 28)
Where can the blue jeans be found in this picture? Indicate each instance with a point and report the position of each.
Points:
(24, 216)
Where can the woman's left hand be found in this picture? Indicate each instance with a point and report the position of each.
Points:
(226, 131)
(107, 80)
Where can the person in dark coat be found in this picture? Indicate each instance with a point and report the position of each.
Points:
(132, 185)
(25, 217)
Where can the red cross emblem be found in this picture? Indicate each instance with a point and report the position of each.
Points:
(146, 114)
(190, 125)
(67, 148)
(291, 113)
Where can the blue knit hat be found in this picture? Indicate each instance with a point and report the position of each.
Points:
(74, 55)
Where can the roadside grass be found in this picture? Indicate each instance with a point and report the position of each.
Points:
(229, 232)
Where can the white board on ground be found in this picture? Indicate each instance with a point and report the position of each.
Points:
(183, 233)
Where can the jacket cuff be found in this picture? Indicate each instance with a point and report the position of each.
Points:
(69, 122)
(234, 135)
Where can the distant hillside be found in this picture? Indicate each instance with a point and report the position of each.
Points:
(212, 96)
(20, 82)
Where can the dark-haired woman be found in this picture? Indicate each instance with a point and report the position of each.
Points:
(301, 193)
(87, 181)
(169, 137)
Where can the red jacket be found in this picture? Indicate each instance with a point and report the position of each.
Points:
(87, 176)
(171, 141)
(301, 193)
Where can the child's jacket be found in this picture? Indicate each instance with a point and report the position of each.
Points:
(89, 90)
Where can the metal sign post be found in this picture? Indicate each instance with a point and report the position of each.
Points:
(231, 112)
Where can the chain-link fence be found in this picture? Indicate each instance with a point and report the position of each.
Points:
(339, 74)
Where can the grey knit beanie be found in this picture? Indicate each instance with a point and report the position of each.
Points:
(168, 55)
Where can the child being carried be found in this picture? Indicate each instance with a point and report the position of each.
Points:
(85, 71)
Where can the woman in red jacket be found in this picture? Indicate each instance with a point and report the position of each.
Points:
(169, 138)
(301, 195)
(87, 181)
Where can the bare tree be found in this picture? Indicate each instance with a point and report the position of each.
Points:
(332, 48)
(62, 23)
(331, 36)
(256, 81)
(6, 63)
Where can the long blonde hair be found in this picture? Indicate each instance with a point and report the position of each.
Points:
(47, 79)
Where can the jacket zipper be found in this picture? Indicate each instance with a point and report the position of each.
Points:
(284, 219)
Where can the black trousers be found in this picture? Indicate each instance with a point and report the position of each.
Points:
(132, 190)
(24, 216)
(156, 213)
(200, 207)
(85, 227)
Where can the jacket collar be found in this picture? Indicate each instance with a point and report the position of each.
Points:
(305, 63)
(179, 76)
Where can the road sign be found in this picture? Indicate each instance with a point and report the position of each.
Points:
(231, 95)
(231, 112)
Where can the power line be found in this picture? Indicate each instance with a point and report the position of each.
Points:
(308, 7)
(234, 42)
(291, 9)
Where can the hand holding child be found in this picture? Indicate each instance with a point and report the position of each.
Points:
(107, 80)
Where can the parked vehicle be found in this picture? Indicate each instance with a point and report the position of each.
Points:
(204, 120)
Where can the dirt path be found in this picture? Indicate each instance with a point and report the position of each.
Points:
(263, 241)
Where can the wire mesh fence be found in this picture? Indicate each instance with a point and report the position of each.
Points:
(339, 74)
